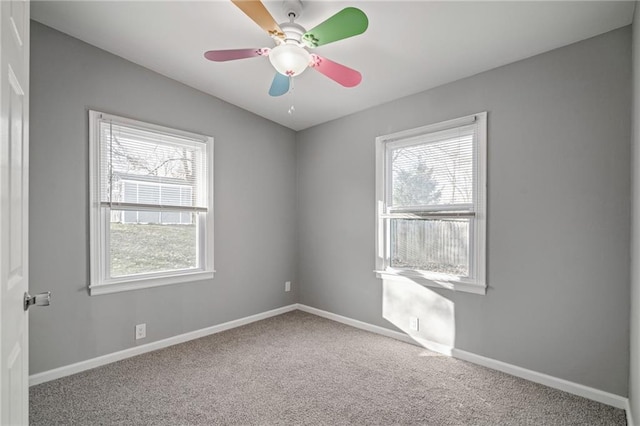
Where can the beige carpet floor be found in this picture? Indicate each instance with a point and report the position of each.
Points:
(300, 369)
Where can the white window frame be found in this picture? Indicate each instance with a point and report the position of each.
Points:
(476, 281)
(99, 218)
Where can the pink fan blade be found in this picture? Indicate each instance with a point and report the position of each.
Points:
(339, 73)
(233, 54)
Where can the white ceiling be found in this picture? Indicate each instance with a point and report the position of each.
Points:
(410, 46)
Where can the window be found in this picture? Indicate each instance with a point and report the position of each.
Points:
(151, 205)
(431, 204)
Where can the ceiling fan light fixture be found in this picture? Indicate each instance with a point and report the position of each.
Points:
(289, 59)
(290, 56)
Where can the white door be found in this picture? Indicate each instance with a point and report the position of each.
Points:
(14, 173)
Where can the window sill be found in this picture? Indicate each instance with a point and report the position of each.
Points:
(433, 280)
(147, 282)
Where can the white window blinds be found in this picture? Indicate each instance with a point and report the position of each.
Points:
(168, 171)
(432, 172)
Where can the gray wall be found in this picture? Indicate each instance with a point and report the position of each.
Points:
(634, 368)
(558, 215)
(558, 230)
(254, 205)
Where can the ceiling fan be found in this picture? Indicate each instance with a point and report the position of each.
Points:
(290, 56)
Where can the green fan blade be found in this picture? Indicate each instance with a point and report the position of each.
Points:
(347, 23)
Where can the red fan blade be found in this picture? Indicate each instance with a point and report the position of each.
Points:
(339, 73)
(232, 54)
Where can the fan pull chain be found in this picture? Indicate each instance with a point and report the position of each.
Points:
(292, 108)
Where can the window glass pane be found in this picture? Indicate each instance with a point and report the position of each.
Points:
(170, 217)
(129, 192)
(130, 217)
(152, 160)
(186, 194)
(170, 195)
(150, 241)
(435, 245)
(436, 173)
(148, 217)
(148, 194)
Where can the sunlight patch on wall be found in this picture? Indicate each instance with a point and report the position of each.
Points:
(403, 302)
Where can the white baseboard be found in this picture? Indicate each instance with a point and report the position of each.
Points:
(433, 346)
(545, 379)
(357, 324)
(68, 370)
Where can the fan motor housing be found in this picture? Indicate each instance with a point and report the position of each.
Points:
(292, 32)
(292, 8)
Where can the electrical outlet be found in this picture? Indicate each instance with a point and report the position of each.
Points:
(414, 323)
(287, 286)
(141, 331)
